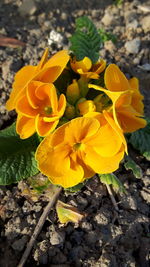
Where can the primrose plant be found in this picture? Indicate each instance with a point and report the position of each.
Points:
(73, 112)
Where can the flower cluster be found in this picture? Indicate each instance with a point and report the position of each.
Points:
(83, 118)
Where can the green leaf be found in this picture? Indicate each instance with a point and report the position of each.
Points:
(131, 165)
(106, 36)
(16, 156)
(147, 155)
(86, 41)
(140, 140)
(75, 188)
(111, 179)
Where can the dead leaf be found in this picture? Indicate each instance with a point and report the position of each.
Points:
(37, 187)
(67, 213)
(10, 42)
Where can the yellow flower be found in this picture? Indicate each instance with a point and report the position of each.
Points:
(46, 71)
(127, 101)
(39, 109)
(85, 67)
(80, 148)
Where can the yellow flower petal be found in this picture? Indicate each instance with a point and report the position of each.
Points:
(69, 178)
(99, 66)
(61, 105)
(101, 164)
(34, 102)
(47, 92)
(61, 59)
(43, 128)
(49, 160)
(115, 80)
(87, 126)
(85, 64)
(25, 109)
(25, 127)
(44, 71)
(43, 60)
(22, 77)
(130, 123)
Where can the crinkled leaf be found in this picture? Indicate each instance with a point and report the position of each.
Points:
(111, 179)
(67, 213)
(16, 156)
(85, 42)
(131, 165)
(140, 140)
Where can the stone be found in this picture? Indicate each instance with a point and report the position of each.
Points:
(86, 226)
(130, 16)
(133, 46)
(101, 219)
(57, 238)
(145, 67)
(27, 8)
(55, 37)
(132, 25)
(6, 68)
(107, 19)
(136, 60)
(145, 195)
(145, 23)
(109, 46)
(128, 202)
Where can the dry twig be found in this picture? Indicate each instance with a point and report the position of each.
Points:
(38, 227)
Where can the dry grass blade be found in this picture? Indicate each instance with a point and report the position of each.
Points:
(10, 42)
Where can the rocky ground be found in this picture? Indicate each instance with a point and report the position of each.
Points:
(104, 237)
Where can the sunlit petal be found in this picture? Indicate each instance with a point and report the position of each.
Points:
(25, 127)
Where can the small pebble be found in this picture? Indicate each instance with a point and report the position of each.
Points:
(133, 46)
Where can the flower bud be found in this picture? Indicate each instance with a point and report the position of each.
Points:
(73, 92)
(86, 106)
(70, 112)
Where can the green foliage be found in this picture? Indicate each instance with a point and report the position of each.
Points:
(106, 36)
(140, 140)
(75, 188)
(16, 156)
(85, 42)
(111, 179)
(118, 2)
(131, 165)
